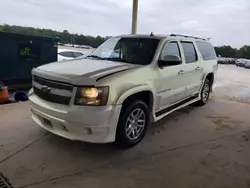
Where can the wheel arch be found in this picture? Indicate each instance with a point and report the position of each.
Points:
(145, 94)
(210, 77)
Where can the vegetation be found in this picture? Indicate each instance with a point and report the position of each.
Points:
(228, 51)
(66, 37)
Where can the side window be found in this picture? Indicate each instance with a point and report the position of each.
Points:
(171, 48)
(66, 54)
(189, 52)
(62, 54)
(77, 54)
(207, 50)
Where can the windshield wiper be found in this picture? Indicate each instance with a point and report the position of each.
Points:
(95, 56)
(109, 59)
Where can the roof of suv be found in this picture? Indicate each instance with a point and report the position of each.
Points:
(162, 36)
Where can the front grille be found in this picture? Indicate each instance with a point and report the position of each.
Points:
(52, 84)
(56, 93)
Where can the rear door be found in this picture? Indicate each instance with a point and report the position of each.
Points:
(193, 70)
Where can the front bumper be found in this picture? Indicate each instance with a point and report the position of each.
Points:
(95, 124)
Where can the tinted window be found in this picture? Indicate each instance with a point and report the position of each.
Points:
(189, 52)
(67, 54)
(77, 54)
(171, 48)
(207, 50)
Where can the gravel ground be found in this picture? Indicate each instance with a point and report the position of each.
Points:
(195, 147)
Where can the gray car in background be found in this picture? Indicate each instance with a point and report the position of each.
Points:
(226, 60)
(240, 62)
(247, 65)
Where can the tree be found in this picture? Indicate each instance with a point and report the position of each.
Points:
(244, 52)
(226, 51)
(65, 36)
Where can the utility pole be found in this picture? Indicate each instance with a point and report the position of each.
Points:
(135, 16)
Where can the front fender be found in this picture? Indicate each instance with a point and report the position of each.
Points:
(135, 89)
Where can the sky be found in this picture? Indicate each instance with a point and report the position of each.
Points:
(226, 22)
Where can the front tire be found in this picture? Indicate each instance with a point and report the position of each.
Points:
(132, 125)
(205, 93)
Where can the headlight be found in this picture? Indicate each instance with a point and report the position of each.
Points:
(92, 96)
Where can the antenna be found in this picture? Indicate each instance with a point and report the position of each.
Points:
(151, 34)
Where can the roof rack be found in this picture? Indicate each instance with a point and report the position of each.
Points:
(186, 36)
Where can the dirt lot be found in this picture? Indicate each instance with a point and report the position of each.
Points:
(196, 147)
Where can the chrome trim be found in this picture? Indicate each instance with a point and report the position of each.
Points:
(55, 91)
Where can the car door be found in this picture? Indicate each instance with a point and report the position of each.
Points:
(171, 81)
(192, 71)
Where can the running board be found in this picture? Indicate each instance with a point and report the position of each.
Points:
(162, 113)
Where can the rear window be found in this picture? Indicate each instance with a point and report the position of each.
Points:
(207, 50)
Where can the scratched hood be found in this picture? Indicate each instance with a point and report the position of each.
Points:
(80, 70)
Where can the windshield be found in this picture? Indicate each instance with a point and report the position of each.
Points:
(130, 50)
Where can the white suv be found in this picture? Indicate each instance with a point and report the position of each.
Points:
(127, 82)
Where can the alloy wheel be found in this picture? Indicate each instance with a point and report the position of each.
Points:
(205, 92)
(135, 124)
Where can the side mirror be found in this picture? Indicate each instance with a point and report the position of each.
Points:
(169, 60)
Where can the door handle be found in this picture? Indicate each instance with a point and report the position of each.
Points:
(198, 68)
(181, 72)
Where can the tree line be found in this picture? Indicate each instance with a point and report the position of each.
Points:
(66, 37)
(228, 51)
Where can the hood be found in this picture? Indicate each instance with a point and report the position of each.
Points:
(80, 70)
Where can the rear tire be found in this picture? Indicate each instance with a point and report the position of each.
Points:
(205, 93)
(132, 125)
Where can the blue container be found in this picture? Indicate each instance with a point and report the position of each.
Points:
(20, 53)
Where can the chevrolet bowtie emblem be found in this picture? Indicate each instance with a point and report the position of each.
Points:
(45, 88)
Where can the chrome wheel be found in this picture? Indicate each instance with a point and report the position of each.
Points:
(135, 124)
(205, 92)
